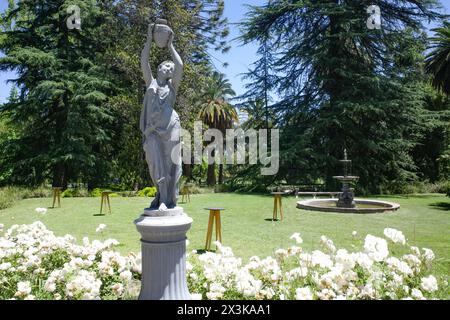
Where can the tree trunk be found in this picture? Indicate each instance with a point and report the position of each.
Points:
(211, 175)
(187, 171)
(332, 85)
(59, 176)
(220, 173)
(211, 179)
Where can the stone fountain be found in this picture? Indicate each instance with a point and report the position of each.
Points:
(347, 202)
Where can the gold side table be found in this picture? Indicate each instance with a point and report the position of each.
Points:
(57, 196)
(186, 194)
(277, 206)
(106, 201)
(214, 216)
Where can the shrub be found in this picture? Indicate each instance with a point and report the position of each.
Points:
(129, 194)
(436, 187)
(196, 189)
(97, 192)
(447, 189)
(39, 192)
(8, 196)
(222, 188)
(147, 192)
(418, 187)
(57, 268)
(75, 193)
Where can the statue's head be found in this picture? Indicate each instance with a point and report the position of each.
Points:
(166, 70)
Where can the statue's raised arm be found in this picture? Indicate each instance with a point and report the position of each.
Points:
(145, 64)
(178, 72)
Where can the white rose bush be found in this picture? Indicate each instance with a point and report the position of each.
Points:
(329, 273)
(36, 264)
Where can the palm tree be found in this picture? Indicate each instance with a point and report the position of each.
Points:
(217, 113)
(438, 61)
(257, 115)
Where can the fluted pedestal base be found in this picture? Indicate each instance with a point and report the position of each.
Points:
(163, 239)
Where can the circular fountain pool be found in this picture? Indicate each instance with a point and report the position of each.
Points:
(362, 206)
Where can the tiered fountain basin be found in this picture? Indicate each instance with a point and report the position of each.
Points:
(346, 179)
(363, 206)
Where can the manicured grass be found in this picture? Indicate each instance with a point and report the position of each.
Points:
(246, 223)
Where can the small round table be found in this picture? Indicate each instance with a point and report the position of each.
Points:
(105, 200)
(214, 214)
(277, 205)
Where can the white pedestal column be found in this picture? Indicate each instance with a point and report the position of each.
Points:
(163, 239)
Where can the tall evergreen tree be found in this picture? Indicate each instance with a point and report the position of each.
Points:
(345, 86)
(261, 81)
(81, 90)
(64, 83)
(431, 154)
(7, 132)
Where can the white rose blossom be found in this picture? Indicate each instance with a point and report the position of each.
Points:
(395, 236)
(417, 294)
(429, 284)
(23, 289)
(376, 248)
(297, 238)
(303, 294)
(41, 210)
(428, 256)
(101, 227)
(327, 244)
(196, 296)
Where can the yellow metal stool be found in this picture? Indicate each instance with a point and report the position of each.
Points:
(57, 196)
(186, 194)
(214, 214)
(277, 207)
(105, 200)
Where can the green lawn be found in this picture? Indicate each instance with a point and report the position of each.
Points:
(246, 223)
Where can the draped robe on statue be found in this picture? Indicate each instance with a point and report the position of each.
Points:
(160, 125)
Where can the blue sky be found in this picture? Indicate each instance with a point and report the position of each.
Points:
(239, 58)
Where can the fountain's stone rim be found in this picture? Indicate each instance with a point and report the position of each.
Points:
(349, 178)
(382, 206)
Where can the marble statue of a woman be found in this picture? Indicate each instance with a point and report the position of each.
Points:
(160, 124)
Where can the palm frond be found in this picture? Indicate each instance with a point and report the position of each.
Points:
(438, 60)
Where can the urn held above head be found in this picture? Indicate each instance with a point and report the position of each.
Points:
(161, 33)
